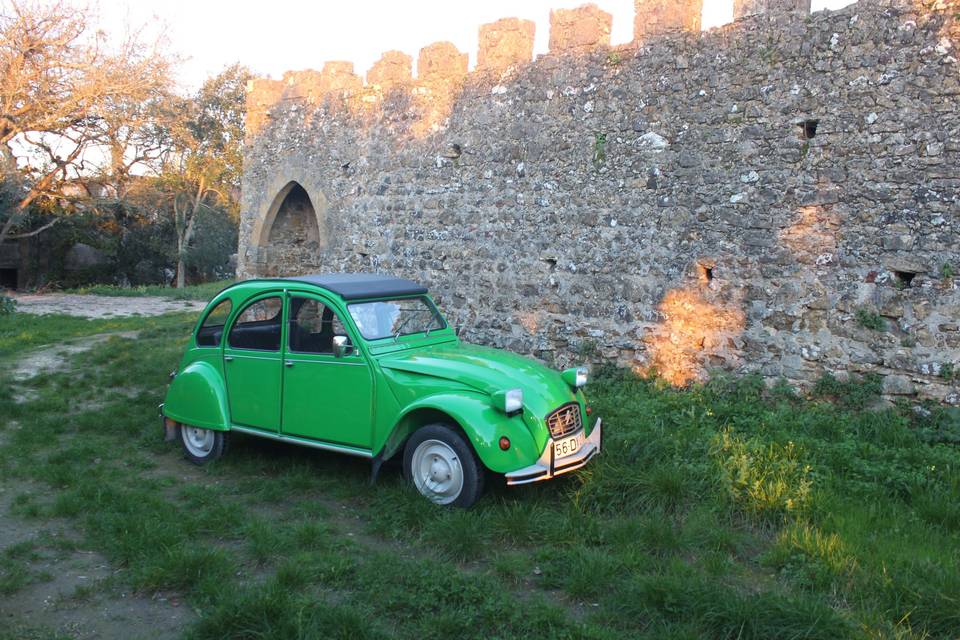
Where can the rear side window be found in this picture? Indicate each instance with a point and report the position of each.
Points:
(258, 326)
(212, 328)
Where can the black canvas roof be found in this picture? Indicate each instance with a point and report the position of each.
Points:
(353, 286)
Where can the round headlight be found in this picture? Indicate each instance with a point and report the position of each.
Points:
(576, 377)
(581, 378)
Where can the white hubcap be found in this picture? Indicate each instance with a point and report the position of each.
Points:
(436, 471)
(198, 441)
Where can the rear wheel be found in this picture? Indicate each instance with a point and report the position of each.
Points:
(442, 466)
(202, 445)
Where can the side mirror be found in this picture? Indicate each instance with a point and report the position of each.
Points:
(341, 346)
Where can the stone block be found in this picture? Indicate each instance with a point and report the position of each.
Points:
(393, 68)
(743, 8)
(656, 17)
(581, 29)
(339, 76)
(262, 93)
(306, 84)
(898, 385)
(440, 62)
(505, 43)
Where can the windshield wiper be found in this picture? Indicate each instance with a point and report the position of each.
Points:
(413, 313)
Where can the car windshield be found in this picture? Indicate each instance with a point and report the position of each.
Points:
(392, 318)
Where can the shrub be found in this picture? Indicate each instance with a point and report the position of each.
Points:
(855, 393)
(949, 372)
(870, 320)
(7, 305)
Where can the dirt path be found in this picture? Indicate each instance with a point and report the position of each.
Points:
(45, 359)
(71, 590)
(90, 306)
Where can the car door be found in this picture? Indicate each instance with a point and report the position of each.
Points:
(252, 363)
(324, 397)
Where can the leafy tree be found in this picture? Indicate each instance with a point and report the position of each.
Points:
(203, 173)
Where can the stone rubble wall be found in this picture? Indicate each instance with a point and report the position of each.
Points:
(778, 195)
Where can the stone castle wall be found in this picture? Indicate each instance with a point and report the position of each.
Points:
(781, 194)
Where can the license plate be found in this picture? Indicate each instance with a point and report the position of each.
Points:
(567, 446)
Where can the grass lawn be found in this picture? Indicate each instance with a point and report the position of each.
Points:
(725, 511)
(203, 291)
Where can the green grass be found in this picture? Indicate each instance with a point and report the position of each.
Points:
(22, 331)
(203, 291)
(728, 510)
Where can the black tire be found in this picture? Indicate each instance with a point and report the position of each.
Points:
(471, 469)
(201, 446)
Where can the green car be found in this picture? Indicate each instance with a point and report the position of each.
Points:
(365, 364)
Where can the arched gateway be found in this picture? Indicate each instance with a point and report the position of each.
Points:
(291, 236)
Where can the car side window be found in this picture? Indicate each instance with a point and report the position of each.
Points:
(312, 326)
(258, 326)
(211, 331)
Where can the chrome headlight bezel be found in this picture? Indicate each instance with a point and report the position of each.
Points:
(576, 377)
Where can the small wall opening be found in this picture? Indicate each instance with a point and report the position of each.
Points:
(293, 244)
(705, 273)
(903, 279)
(8, 278)
(808, 128)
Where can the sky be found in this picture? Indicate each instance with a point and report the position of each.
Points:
(279, 35)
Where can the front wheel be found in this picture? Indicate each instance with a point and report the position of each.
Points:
(442, 466)
(202, 445)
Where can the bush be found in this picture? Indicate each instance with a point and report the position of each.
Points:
(870, 320)
(855, 393)
(7, 305)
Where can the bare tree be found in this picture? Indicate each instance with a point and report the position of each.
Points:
(63, 92)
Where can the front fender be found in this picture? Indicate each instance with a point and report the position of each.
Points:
(481, 423)
(197, 397)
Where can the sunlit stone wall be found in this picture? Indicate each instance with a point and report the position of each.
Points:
(779, 195)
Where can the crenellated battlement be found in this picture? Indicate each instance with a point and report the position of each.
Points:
(578, 30)
(658, 17)
(743, 8)
(504, 44)
(392, 69)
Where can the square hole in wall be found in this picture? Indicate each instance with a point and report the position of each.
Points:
(8, 278)
(903, 279)
(705, 273)
(808, 128)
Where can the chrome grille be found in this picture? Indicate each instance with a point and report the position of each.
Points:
(564, 420)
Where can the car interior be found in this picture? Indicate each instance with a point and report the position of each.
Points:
(252, 332)
(311, 326)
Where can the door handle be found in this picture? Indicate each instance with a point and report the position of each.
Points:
(228, 358)
(288, 363)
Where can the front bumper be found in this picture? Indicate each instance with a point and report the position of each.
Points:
(547, 466)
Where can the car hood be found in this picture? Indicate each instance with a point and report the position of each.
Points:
(487, 370)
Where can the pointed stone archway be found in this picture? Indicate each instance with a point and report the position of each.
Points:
(291, 236)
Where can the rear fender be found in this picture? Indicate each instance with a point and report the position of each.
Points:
(197, 397)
